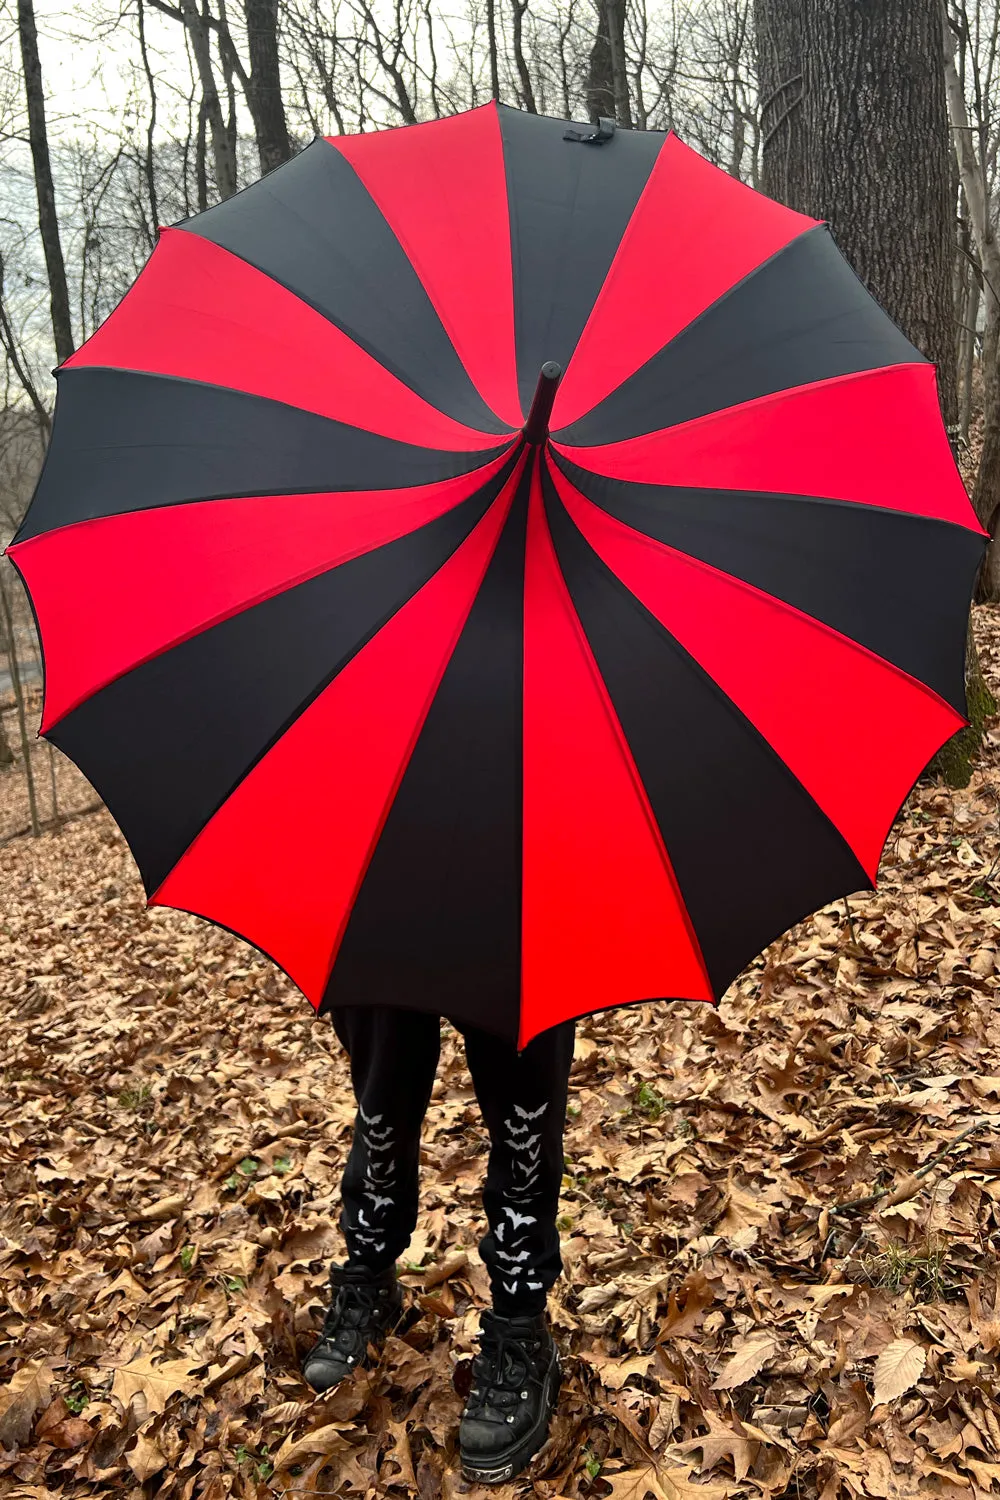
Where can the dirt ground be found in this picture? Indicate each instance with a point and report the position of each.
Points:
(781, 1220)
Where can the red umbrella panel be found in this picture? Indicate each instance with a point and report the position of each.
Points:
(454, 685)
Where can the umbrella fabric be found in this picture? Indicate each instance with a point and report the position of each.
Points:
(441, 717)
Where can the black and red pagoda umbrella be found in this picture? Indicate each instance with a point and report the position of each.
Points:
(454, 684)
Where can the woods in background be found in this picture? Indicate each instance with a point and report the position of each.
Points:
(878, 117)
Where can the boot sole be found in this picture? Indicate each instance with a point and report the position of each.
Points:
(503, 1470)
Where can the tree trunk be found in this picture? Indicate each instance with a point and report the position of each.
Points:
(223, 156)
(48, 223)
(149, 164)
(6, 753)
(856, 132)
(854, 126)
(10, 641)
(600, 78)
(264, 95)
(607, 76)
(520, 8)
(615, 13)
(491, 43)
(972, 171)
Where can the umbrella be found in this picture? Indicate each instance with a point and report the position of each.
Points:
(501, 568)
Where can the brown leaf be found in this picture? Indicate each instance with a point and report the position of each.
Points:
(325, 1440)
(899, 1366)
(614, 1372)
(156, 1383)
(722, 1441)
(747, 1361)
(662, 1483)
(62, 1430)
(26, 1393)
(146, 1458)
(400, 1454)
(437, 1274)
(682, 1322)
(163, 1208)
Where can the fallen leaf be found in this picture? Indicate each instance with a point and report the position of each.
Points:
(721, 1441)
(163, 1208)
(662, 1483)
(682, 1322)
(400, 1454)
(615, 1372)
(899, 1366)
(156, 1383)
(146, 1458)
(747, 1361)
(26, 1393)
(325, 1440)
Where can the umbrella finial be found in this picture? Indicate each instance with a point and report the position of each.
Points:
(536, 428)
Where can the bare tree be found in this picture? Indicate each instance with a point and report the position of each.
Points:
(972, 154)
(608, 83)
(48, 221)
(264, 83)
(198, 24)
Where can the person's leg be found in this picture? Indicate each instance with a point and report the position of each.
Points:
(515, 1376)
(394, 1057)
(522, 1096)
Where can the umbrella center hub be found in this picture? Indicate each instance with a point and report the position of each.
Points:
(536, 428)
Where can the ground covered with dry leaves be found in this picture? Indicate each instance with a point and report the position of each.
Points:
(781, 1221)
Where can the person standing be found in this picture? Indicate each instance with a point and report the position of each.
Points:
(522, 1097)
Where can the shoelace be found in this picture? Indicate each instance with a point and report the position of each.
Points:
(351, 1308)
(501, 1372)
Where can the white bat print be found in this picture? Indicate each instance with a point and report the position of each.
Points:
(516, 1220)
(531, 1144)
(514, 1260)
(379, 1202)
(534, 1286)
(530, 1114)
(510, 1287)
(379, 1135)
(515, 1129)
(369, 1239)
(371, 1119)
(362, 1219)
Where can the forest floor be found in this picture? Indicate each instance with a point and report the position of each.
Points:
(173, 1122)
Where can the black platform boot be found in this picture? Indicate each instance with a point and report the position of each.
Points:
(365, 1307)
(515, 1382)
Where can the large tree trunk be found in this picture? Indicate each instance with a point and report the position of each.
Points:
(855, 131)
(854, 126)
(607, 75)
(48, 223)
(972, 170)
(264, 95)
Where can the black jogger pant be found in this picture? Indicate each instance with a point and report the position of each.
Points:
(522, 1096)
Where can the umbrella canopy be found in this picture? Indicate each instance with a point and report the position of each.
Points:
(460, 683)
